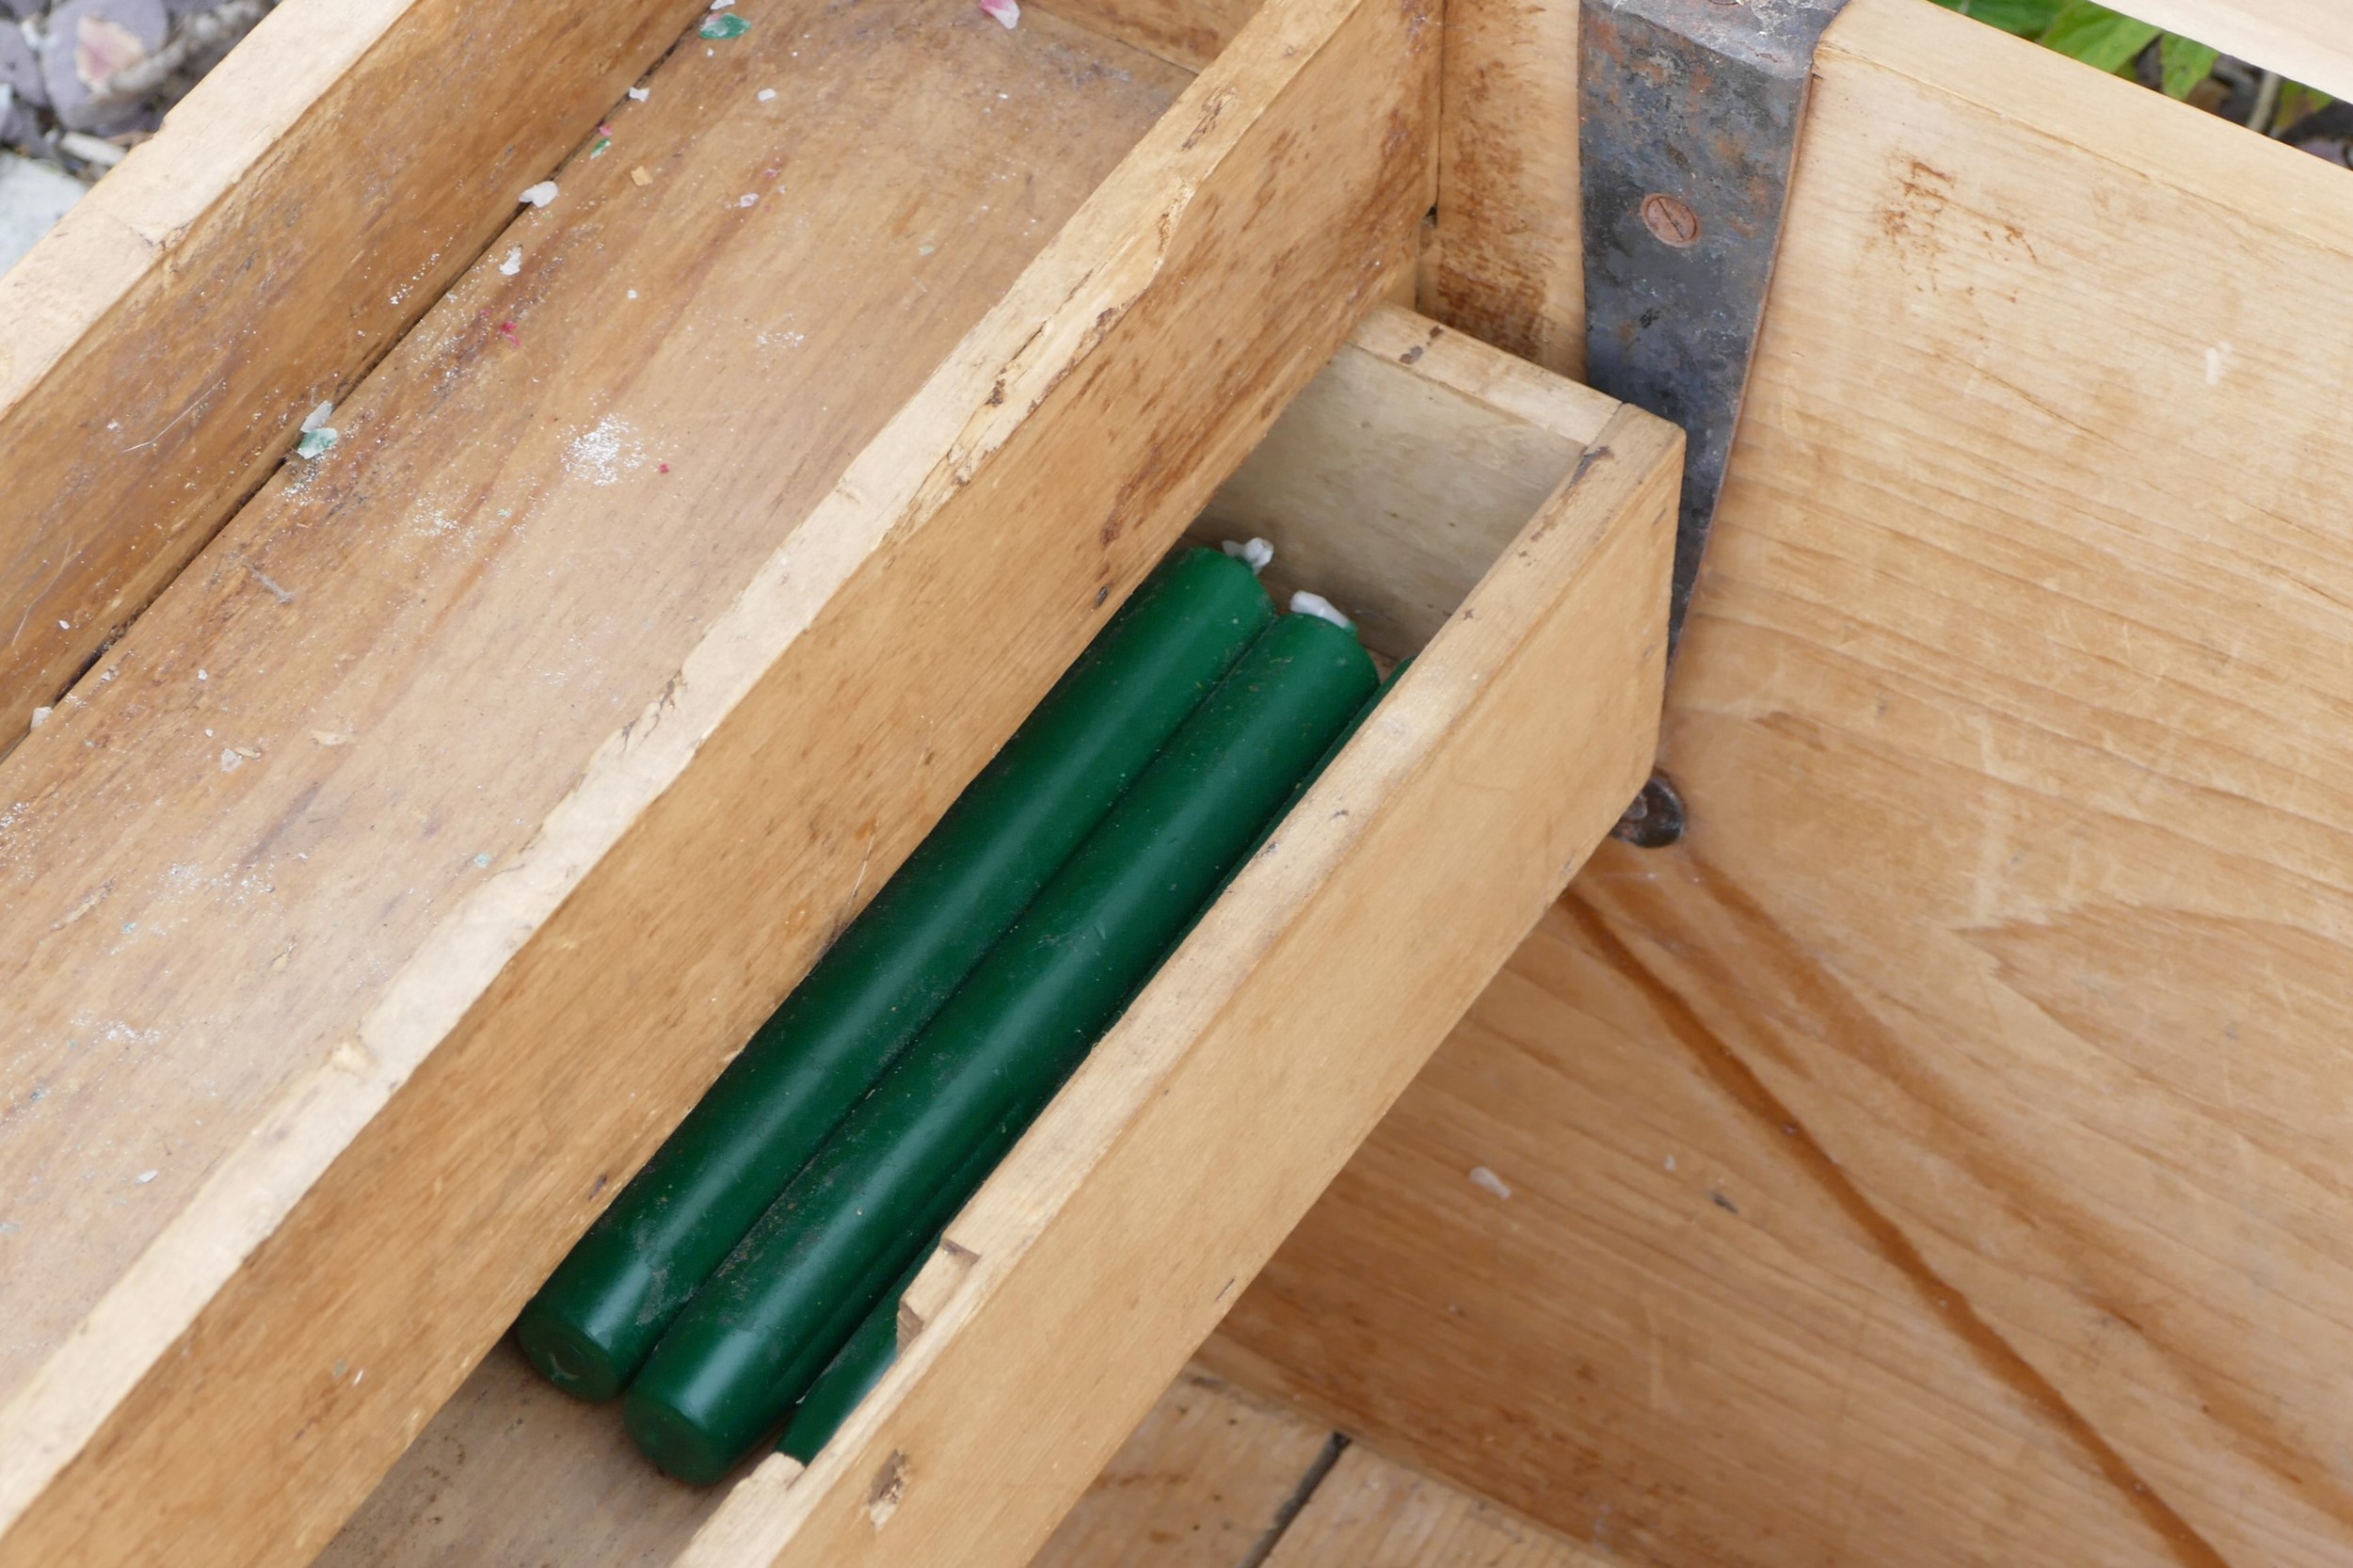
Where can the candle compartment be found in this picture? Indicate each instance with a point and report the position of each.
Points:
(1511, 532)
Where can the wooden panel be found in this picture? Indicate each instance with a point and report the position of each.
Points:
(1209, 1475)
(1122, 1226)
(2016, 724)
(1505, 260)
(1387, 493)
(299, 209)
(1372, 1513)
(455, 1074)
(2305, 41)
(1656, 1322)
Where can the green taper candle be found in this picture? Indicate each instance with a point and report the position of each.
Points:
(852, 1372)
(594, 1322)
(905, 1159)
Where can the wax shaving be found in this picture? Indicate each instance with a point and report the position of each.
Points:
(1006, 11)
(538, 195)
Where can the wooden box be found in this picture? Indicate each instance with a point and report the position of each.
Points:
(383, 890)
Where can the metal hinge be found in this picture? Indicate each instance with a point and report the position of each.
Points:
(1689, 117)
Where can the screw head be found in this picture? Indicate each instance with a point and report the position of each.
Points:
(1672, 220)
(1655, 818)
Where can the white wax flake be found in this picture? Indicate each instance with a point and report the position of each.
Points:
(513, 263)
(65, 626)
(202, 675)
(229, 760)
(317, 416)
(746, 199)
(641, 94)
(1487, 1182)
(1306, 603)
(1006, 11)
(538, 195)
(766, 95)
(481, 859)
(40, 716)
(632, 294)
(1255, 553)
(146, 1176)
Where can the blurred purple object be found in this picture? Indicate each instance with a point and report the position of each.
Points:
(126, 30)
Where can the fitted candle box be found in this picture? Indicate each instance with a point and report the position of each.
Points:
(394, 881)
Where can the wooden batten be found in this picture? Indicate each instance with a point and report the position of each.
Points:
(433, 966)
(299, 210)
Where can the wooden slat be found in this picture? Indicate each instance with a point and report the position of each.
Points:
(2014, 720)
(2305, 41)
(299, 209)
(1189, 33)
(1201, 1483)
(1125, 1222)
(1373, 1512)
(1506, 260)
(1671, 1338)
(448, 1069)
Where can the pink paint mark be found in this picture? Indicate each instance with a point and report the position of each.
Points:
(664, 466)
(506, 331)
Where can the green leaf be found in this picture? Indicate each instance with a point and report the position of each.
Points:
(2025, 18)
(2097, 36)
(2186, 64)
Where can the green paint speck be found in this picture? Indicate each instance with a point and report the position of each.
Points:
(725, 24)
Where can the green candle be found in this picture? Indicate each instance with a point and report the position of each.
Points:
(852, 1372)
(597, 1318)
(900, 1167)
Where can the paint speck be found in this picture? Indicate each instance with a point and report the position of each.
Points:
(632, 294)
(1007, 13)
(926, 250)
(602, 455)
(317, 443)
(65, 626)
(130, 928)
(1487, 1182)
(146, 1176)
(725, 25)
(538, 195)
(513, 263)
(641, 94)
(747, 199)
(40, 716)
(661, 468)
(766, 95)
(114, 425)
(203, 675)
(229, 760)
(481, 859)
